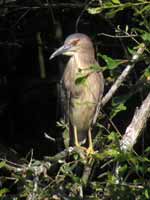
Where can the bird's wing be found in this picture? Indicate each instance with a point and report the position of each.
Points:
(66, 106)
(100, 98)
(64, 96)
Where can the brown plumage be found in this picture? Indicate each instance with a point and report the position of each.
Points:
(82, 97)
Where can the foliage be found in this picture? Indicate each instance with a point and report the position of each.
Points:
(61, 176)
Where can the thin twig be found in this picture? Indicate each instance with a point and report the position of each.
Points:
(41, 56)
(117, 36)
(81, 14)
(21, 17)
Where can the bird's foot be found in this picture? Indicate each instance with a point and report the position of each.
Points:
(90, 151)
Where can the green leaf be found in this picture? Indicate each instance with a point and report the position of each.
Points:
(113, 136)
(81, 79)
(116, 1)
(117, 109)
(111, 178)
(131, 51)
(3, 191)
(123, 169)
(146, 36)
(147, 72)
(96, 68)
(112, 152)
(111, 63)
(145, 9)
(147, 149)
(94, 11)
(65, 169)
(2, 164)
(146, 192)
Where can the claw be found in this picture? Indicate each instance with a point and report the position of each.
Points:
(90, 151)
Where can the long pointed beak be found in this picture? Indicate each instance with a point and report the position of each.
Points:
(60, 51)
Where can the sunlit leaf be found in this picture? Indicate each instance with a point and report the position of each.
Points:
(131, 51)
(113, 136)
(111, 63)
(116, 1)
(94, 11)
(147, 193)
(2, 164)
(81, 79)
(146, 36)
(96, 68)
(147, 73)
(3, 191)
(112, 152)
(111, 178)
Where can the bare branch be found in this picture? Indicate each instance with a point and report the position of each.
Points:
(40, 56)
(133, 131)
(136, 126)
(117, 36)
(87, 171)
(45, 5)
(123, 75)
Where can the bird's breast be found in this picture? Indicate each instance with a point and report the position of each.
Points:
(79, 81)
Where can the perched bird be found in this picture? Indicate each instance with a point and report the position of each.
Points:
(83, 85)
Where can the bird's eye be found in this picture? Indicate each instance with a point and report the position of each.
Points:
(74, 42)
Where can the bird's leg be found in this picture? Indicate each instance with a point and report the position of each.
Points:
(90, 149)
(76, 136)
(77, 144)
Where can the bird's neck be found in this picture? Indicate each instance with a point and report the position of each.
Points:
(84, 60)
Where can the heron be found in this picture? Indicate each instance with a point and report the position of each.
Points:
(83, 85)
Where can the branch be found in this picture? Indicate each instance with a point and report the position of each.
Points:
(123, 75)
(117, 36)
(44, 5)
(87, 171)
(133, 131)
(40, 56)
(136, 126)
(63, 154)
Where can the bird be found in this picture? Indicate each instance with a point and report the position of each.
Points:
(83, 87)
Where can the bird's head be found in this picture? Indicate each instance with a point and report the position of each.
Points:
(74, 43)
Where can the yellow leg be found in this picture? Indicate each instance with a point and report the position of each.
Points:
(90, 149)
(76, 139)
(76, 136)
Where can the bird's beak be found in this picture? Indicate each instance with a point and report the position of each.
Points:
(62, 50)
